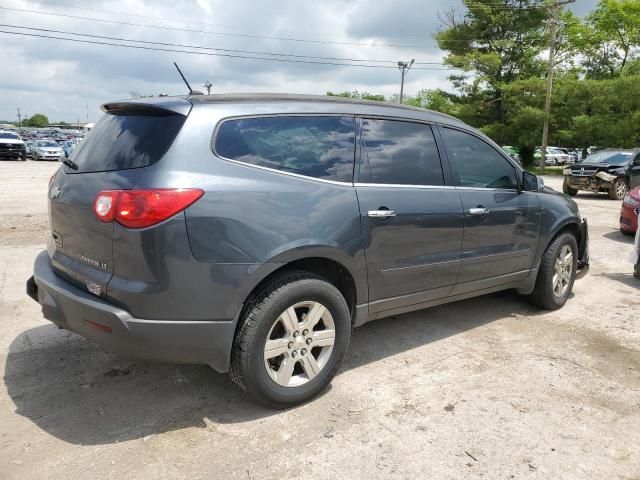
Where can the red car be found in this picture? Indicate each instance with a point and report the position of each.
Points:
(629, 212)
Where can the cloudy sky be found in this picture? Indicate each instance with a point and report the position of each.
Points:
(69, 80)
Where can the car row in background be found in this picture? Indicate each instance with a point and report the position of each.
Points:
(557, 156)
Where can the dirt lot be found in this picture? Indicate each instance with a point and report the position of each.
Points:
(486, 388)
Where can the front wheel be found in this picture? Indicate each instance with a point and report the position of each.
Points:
(292, 338)
(566, 189)
(618, 189)
(557, 273)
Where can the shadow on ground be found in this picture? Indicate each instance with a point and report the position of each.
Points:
(626, 278)
(81, 394)
(618, 236)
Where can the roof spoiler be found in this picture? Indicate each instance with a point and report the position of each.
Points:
(149, 106)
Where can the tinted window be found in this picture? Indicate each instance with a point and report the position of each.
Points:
(478, 163)
(320, 147)
(401, 153)
(9, 136)
(118, 142)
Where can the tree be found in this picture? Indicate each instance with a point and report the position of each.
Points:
(437, 100)
(361, 95)
(38, 120)
(609, 38)
(495, 43)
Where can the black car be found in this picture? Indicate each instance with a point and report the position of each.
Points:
(611, 171)
(253, 232)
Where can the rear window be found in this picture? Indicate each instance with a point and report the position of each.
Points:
(315, 146)
(123, 141)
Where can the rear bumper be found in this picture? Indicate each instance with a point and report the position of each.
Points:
(194, 342)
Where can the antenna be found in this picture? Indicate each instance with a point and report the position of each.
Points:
(191, 92)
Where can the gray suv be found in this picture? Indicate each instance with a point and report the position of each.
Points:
(251, 233)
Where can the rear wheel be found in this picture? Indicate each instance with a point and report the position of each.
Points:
(572, 192)
(627, 232)
(557, 273)
(292, 338)
(618, 189)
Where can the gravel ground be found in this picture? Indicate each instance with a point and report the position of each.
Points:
(485, 388)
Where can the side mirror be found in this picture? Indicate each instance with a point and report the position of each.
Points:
(531, 182)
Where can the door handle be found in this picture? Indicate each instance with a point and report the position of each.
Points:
(381, 213)
(481, 211)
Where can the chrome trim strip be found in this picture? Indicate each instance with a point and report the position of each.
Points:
(394, 185)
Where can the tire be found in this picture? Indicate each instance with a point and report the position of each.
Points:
(627, 232)
(544, 294)
(265, 318)
(618, 189)
(572, 192)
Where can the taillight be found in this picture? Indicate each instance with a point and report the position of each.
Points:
(142, 208)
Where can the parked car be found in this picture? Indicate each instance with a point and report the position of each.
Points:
(611, 171)
(12, 147)
(555, 156)
(31, 148)
(48, 150)
(251, 233)
(629, 212)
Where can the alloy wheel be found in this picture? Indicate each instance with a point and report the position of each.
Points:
(563, 270)
(299, 344)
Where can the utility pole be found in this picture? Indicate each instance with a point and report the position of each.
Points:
(553, 30)
(19, 120)
(87, 112)
(208, 86)
(404, 67)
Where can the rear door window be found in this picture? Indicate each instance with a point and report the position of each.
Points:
(315, 146)
(123, 141)
(401, 153)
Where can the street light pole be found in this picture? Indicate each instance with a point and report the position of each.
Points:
(404, 67)
(19, 120)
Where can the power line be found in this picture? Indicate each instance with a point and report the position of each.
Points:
(200, 47)
(208, 32)
(210, 54)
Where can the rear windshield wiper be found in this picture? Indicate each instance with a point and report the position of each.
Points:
(70, 163)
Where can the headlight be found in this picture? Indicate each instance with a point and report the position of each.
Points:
(566, 171)
(629, 200)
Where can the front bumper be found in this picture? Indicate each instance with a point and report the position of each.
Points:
(193, 342)
(591, 183)
(629, 218)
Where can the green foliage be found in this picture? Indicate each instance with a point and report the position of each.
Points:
(433, 100)
(37, 120)
(360, 95)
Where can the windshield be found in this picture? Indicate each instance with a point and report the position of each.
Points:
(611, 158)
(9, 135)
(47, 144)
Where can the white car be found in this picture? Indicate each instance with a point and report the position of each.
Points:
(48, 150)
(11, 146)
(554, 156)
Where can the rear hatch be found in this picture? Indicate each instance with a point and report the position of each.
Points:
(128, 139)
